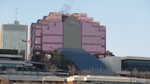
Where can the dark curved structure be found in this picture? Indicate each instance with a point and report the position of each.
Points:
(85, 62)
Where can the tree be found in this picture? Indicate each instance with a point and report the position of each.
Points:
(109, 53)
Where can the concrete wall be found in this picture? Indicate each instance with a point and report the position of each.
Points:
(94, 37)
(1, 40)
(52, 36)
(47, 36)
(72, 33)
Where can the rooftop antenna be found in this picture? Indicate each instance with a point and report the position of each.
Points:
(66, 8)
(16, 14)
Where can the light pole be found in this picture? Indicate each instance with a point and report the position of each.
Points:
(43, 79)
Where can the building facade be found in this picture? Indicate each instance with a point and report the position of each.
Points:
(129, 66)
(1, 45)
(13, 36)
(68, 31)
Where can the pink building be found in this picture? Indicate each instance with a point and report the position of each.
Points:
(68, 31)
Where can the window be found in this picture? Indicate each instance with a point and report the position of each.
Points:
(103, 38)
(54, 23)
(103, 46)
(48, 28)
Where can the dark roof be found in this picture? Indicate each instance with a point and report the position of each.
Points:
(14, 27)
(84, 61)
(9, 51)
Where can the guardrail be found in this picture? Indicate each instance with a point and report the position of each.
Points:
(25, 73)
(76, 78)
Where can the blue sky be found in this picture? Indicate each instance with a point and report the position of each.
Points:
(127, 21)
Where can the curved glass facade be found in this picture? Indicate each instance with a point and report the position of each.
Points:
(85, 62)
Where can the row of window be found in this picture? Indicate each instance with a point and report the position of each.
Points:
(90, 82)
(138, 65)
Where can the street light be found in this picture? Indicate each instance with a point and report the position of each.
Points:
(43, 79)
